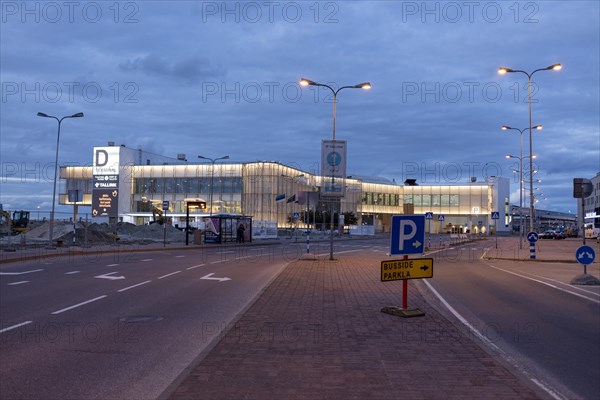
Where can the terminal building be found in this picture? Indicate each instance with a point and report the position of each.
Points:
(131, 185)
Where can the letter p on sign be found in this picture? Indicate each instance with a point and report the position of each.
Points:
(408, 234)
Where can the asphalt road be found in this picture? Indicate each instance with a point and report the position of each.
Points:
(121, 326)
(546, 327)
(127, 325)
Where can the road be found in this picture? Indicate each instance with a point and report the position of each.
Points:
(128, 325)
(121, 326)
(546, 327)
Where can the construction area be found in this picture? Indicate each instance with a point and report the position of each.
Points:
(89, 234)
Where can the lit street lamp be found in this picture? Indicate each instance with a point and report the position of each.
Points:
(364, 85)
(41, 114)
(212, 175)
(502, 71)
(506, 127)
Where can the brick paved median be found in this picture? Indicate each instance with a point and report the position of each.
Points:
(317, 333)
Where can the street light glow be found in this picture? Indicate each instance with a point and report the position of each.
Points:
(556, 67)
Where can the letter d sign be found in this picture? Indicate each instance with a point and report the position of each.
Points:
(101, 158)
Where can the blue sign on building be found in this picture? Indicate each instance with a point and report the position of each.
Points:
(408, 234)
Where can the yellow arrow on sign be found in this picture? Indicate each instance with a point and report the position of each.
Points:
(417, 268)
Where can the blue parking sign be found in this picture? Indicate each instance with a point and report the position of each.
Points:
(408, 234)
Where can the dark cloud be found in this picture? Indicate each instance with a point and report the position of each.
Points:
(189, 70)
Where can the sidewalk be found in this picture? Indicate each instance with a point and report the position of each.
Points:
(317, 332)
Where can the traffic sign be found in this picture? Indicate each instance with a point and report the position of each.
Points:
(441, 217)
(408, 234)
(480, 223)
(165, 205)
(417, 268)
(428, 215)
(296, 216)
(495, 215)
(585, 255)
(532, 237)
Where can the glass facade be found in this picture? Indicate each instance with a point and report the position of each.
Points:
(270, 191)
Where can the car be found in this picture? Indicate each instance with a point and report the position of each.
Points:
(560, 235)
(547, 235)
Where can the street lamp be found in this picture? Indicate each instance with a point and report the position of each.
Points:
(504, 70)
(41, 114)
(365, 86)
(505, 128)
(212, 175)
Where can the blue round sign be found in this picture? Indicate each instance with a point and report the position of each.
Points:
(532, 237)
(334, 158)
(585, 255)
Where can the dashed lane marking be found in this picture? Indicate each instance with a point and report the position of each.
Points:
(196, 266)
(132, 286)
(172, 273)
(72, 272)
(20, 273)
(18, 283)
(15, 326)
(78, 305)
(112, 265)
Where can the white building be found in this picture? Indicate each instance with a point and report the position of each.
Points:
(128, 184)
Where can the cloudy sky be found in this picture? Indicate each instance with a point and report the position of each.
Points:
(221, 78)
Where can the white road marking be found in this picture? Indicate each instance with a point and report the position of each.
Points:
(172, 273)
(112, 265)
(78, 305)
(15, 326)
(20, 273)
(109, 277)
(347, 251)
(216, 262)
(18, 283)
(545, 283)
(72, 272)
(179, 256)
(227, 252)
(131, 287)
(196, 266)
(147, 259)
(211, 278)
(483, 338)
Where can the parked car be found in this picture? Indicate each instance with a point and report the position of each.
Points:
(547, 235)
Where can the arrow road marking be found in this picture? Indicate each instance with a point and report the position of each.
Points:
(211, 278)
(109, 277)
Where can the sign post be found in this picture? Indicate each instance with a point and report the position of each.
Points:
(495, 217)
(429, 217)
(441, 218)
(532, 237)
(165, 207)
(407, 237)
(585, 255)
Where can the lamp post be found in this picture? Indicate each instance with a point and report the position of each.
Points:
(502, 71)
(212, 175)
(506, 127)
(364, 85)
(59, 120)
